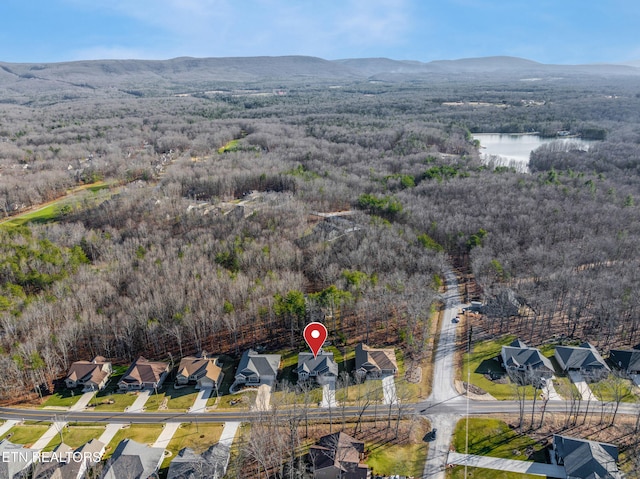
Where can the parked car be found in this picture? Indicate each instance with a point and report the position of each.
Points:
(455, 320)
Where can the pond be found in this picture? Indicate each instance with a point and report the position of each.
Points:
(503, 149)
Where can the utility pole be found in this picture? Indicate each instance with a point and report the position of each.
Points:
(466, 446)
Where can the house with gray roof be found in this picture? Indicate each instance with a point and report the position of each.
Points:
(524, 364)
(584, 359)
(66, 463)
(375, 363)
(626, 359)
(256, 368)
(321, 367)
(16, 460)
(211, 464)
(584, 459)
(132, 460)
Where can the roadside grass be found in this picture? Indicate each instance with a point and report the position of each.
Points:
(614, 389)
(26, 434)
(197, 437)
(76, 435)
(142, 433)
(404, 460)
(295, 395)
(176, 399)
(239, 401)
(370, 390)
(63, 398)
(494, 438)
(458, 472)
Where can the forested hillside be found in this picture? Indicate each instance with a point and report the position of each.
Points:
(212, 231)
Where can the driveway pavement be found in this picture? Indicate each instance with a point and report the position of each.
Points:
(497, 464)
(109, 432)
(636, 379)
(329, 394)
(168, 431)
(83, 401)
(583, 387)
(141, 400)
(551, 393)
(263, 399)
(200, 404)
(49, 434)
(389, 394)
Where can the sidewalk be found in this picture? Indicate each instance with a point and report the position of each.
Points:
(510, 465)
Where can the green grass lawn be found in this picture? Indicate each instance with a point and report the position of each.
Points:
(76, 435)
(142, 433)
(407, 460)
(64, 398)
(614, 389)
(198, 437)
(26, 434)
(235, 401)
(110, 399)
(477, 473)
(359, 393)
(492, 437)
(177, 399)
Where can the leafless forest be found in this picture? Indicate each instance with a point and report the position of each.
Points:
(213, 233)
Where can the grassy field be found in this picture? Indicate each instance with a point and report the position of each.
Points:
(176, 399)
(614, 389)
(492, 437)
(64, 398)
(234, 401)
(76, 435)
(476, 473)
(142, 433)
(197, 437)
(407, 460)
(26, 434)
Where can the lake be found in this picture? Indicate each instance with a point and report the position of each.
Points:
(514, 149)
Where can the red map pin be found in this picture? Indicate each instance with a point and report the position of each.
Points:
(315, 335)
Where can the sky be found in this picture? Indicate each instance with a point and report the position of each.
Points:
(548, 31)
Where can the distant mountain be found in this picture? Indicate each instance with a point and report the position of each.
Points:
(21, 82)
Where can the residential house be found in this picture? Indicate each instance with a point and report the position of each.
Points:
(586, 459)
(143, 374)
(338, 455)
(525, 364)
(132, 460)
(255, 368)
(211, 464)
(16, 460)
(626, 359)
(321, 367)
(91, 375)
(66, 463)
(204, 371)
(584, 359)
(375, 363)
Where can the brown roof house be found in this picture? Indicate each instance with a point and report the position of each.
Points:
(203, 370)
(375, 363)
(91, 375)
(143, 374)
(338, 455)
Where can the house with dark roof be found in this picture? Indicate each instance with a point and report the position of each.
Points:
(204, 371)
(525, 364)
(255, 368)
(16, 460)
(211, 464)
(584, 359)
(132, 460)
(144, 374)
(584, 459)
(91, 375)
(321, 367)
(375, 363)
(626, 359)
(66, 463)
(338, 455)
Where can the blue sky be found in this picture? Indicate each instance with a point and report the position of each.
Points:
(548, 31)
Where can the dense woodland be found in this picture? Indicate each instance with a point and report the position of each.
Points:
(209, 235)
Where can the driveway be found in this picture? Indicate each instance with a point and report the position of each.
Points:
(636, 379)
(329, 394)
(389, 394)
(200, 404)
(263, 399)
(497, 464)
(583, 387)
(141, 400)
(551, 393)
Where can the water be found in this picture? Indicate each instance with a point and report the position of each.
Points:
(503, 149)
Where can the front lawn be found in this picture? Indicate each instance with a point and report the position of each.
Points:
(198, 437)
(142, 433)
(405, 460)
(492, 437)
(172, 399)
(614, 389)
(26, 434)
(76, 435)
(64, 398)
(235, 401)
(477, 473)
